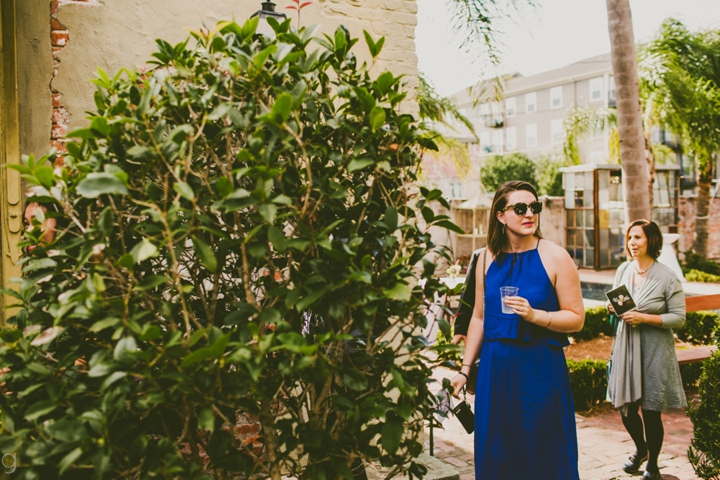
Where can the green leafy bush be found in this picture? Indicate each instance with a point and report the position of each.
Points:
(699, 327)
(690, 374)
(596, 323)
(588, 379)
(503, 168)
(695, 261)
(704, 450)
(693, 275)
(549, 175)
(235, 239)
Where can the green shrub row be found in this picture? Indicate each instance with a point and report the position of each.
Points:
(596, 323)
(699, 327)
(588, 379)
(695, 261)
(693, 275)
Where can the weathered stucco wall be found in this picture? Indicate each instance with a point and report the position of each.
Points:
(34, 73)
(115, 34)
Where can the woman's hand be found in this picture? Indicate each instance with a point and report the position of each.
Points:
(633, 318)
(458, 382)
(522, 307)
(610, 308)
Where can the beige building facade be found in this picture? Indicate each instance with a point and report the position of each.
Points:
(51, 49)
(528, 118)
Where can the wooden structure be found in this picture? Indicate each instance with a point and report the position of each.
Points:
(11, 203)
(595, 211)
(472, 216)
(700, 353)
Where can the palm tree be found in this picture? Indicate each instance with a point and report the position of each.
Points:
(636, 176)
(437, 110)
(681, 71)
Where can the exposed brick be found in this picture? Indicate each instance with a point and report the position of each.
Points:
(59, 145)
(56, 99)
(59, 38)
(54, 8)
(58, 131)
(55, 24)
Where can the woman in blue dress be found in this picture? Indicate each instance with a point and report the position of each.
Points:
(524, 416)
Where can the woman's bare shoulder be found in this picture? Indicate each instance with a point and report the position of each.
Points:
(553, 250)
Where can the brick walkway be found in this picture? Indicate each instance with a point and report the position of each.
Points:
(603, 444)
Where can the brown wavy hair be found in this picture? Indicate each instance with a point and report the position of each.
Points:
(497, 241)
(653, 234)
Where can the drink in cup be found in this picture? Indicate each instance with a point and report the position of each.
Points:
(504, 293)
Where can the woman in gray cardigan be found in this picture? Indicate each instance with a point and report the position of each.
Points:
(645, 372)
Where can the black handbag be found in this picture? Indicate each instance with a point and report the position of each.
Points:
(465, 415)
(471, 383)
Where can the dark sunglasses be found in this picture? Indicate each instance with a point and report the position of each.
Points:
(520, 209)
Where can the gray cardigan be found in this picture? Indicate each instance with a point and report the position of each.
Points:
(645, 367)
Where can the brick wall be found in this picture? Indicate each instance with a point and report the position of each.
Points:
(121, 34)
(686, 226)
(59, 38)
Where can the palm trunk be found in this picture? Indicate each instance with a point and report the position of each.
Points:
(651, 170)
(702, 208)
(636, 177)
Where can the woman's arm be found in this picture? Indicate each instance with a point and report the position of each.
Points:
(674, 298)
(561, 268)
(475, 329)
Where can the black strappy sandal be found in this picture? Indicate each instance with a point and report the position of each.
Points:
(634, 462)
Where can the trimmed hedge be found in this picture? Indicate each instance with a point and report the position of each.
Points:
(588, 379)
(699, 327)
(596, 322)
(694, 275)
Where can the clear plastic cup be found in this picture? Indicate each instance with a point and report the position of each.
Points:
(507, 292)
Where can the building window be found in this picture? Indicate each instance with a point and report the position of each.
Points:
(511, 138)
(497, 141)
(556, 130)
(611, 89)
(596, 89)
(455, 190)
(530, 102)
(531, 139)
(510, 107)
(485, 142)
(556, 97)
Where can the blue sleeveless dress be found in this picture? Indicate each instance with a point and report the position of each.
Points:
(524, 415)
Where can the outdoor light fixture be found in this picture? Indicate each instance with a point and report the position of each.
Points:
(267, 11)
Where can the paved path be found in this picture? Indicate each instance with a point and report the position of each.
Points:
(603, 444)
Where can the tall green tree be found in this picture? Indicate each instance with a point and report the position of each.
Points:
(434, 110)
(636, 175)
(503, 168)
(681, 72)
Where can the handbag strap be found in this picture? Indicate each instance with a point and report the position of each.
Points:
(484, 260)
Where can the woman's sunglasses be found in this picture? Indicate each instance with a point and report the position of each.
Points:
(520, 209)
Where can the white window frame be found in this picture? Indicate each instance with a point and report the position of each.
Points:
(510, 107)
(511, 138)
(596, 86)
(556, 131)
(485, 142)
(612, 95)
(531, 134)
(531, 102)
(497, 141)
(556, 93)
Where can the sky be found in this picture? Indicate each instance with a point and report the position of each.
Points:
(536, 39)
